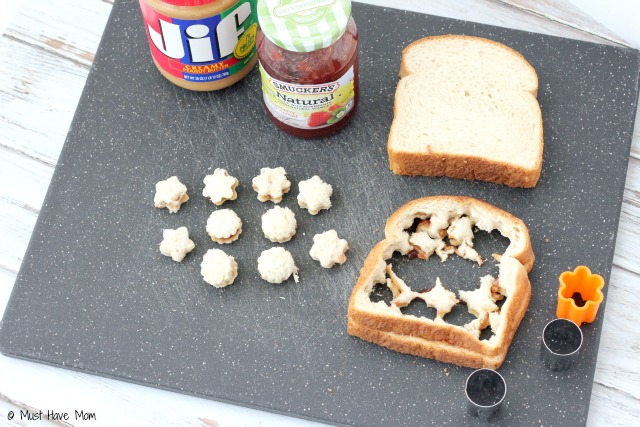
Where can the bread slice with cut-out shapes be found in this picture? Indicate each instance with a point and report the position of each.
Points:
(466, 107)
(440, 217)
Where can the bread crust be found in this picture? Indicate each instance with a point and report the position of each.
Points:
(462, 167)
(477, 168)
(441, 352)
(424, 337)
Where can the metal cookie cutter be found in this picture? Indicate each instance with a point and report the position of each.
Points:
(579, 295)
(560, 346)
(485, 390)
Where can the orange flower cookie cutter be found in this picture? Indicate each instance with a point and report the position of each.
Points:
(579, 295)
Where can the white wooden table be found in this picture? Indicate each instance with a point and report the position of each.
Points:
(46, 52)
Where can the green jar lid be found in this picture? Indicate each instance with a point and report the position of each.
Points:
(303, 25)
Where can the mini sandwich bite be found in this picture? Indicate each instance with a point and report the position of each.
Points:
(276, 265)
(279, 224)
(176, 243)
(315, 195)
(220, 187)
(170, 194)
(218, 269)
(224, 226)
(329, 249)
(271, 184)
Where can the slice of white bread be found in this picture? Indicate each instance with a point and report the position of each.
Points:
(466, 107)
(386, 325)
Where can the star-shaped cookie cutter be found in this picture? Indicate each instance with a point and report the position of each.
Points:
(579, 295)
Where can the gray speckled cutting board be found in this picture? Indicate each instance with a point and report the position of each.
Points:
(94, 293)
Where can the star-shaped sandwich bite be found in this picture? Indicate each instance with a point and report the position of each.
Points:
(176, 243)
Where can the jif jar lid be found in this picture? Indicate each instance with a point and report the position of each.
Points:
(304, 25)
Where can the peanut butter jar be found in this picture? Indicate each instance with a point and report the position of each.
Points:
(201, 45)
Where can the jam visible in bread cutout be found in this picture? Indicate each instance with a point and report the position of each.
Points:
(443, 225)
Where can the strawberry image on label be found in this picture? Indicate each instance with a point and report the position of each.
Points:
(318, 118)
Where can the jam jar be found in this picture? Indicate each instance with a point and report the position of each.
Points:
(201, 44)
(308, 59)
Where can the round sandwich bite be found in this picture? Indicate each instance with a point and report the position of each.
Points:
(218, 269)
(220, 187)
(170, 194)
(314, 195)
(176, 243)
(271, 184)
(279, 224)
(224, 226)
(276, 265)
(329, 249)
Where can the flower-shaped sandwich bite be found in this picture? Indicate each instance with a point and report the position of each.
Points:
(220, 187)
(579, 295)
(438, 218)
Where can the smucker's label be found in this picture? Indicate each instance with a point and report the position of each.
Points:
(203, 50)
(308, 106)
